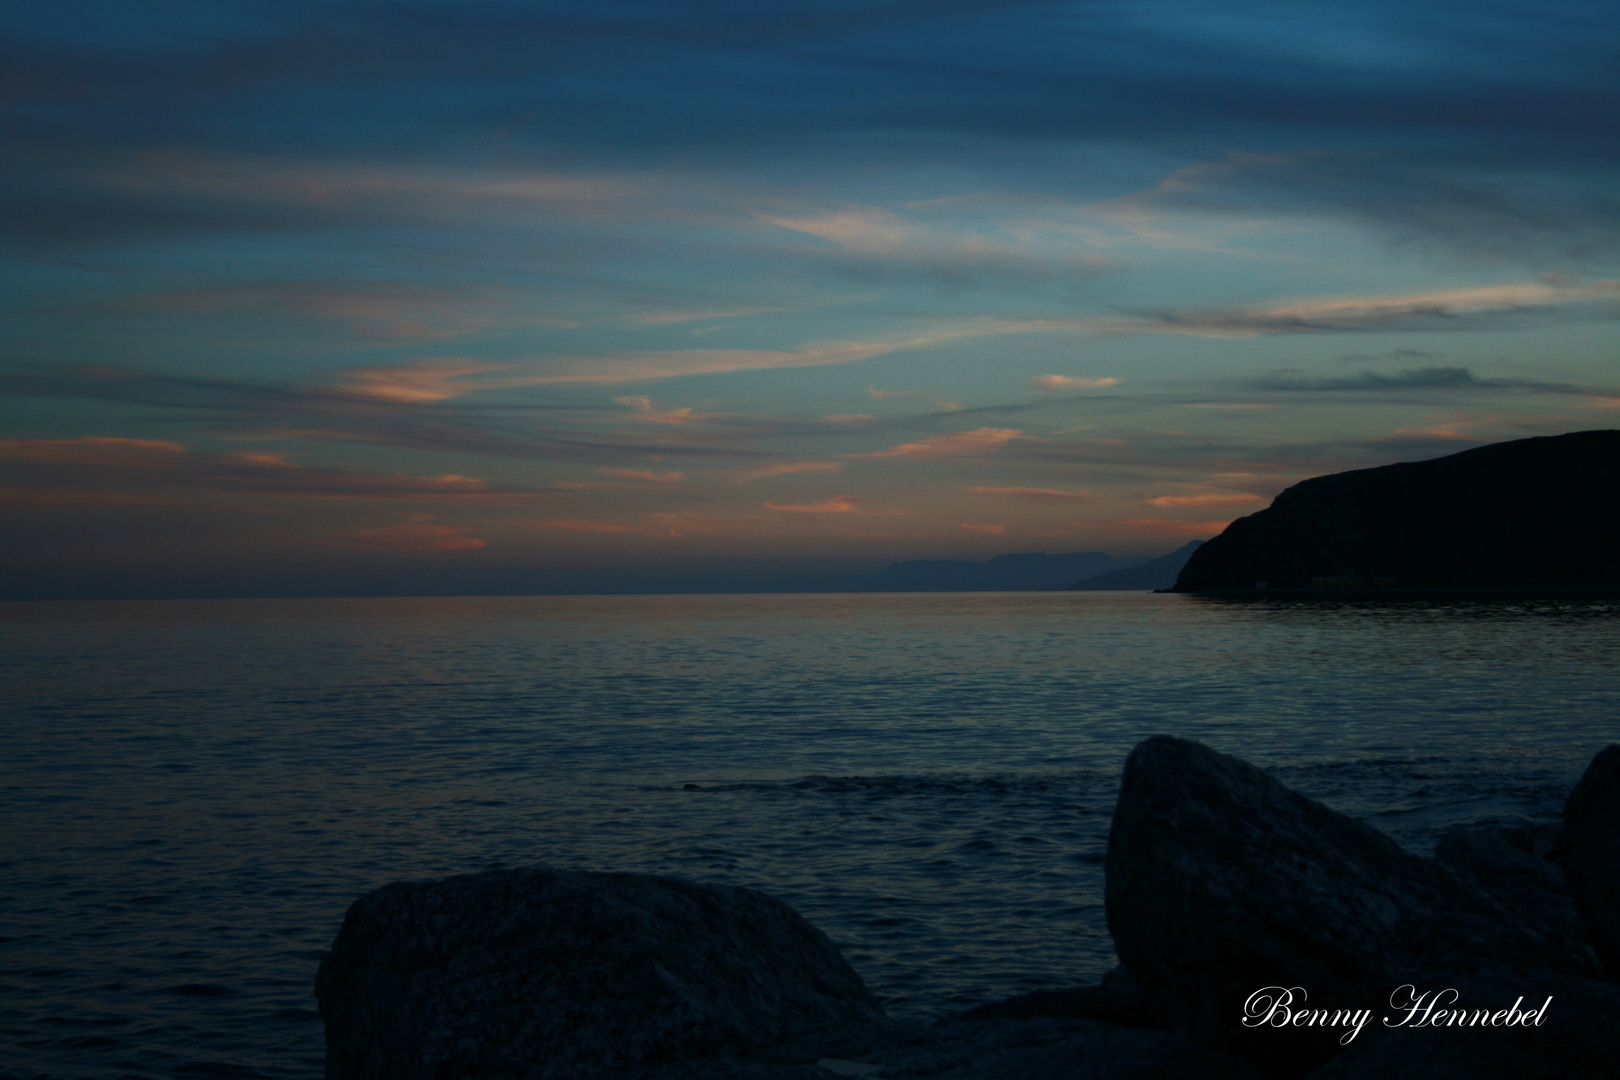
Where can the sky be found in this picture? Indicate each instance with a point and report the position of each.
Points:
(495, 296)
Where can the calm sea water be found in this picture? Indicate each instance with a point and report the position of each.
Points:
(193, 792)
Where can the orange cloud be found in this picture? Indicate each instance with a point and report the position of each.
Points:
(576, 525)
(50, 497)
(414, 535)
(646, 475)
(418, 384)
(993, 530)
(956, 444)
(94, 450)
(644, 406)
(1236, 499)
(1032, 494)
(788, 468)
(838, 504)
(1160, 527)
(1049, 384)
(170, 466)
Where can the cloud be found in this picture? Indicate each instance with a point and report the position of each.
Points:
(645, 365)
(1048, 384)
(1204, 500)
(952, 406)
(872, 242)
(1031, 494)
(652, 414)
(1480, 209)
(1454, 308)
(583, 526)
(838, 504)
(1163, 527)
(416, 384)
(667, 317)
(956, 444)
(95, 451)
(95, 462)
(1435, 378)
(788, 468)
(301, 411)
(645, 475)
(992, 530)
(385, 311)
(416, 535)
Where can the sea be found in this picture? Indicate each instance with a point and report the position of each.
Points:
(193, 792)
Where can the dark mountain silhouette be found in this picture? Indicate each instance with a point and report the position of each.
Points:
(1003, 573)
(1533, 513)
(1154, 574)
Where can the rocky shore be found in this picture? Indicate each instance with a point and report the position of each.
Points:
(1260, 933)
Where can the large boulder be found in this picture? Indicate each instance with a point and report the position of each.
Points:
(1588, 850)
(1577, 1038)
(549, 974)
(1222, 882)
(1530, 889)
(1050, 1048)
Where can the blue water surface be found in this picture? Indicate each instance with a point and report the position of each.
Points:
(194, 791)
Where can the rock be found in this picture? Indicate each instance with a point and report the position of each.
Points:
(548, 974)
(1055, 1049)
(1127, 1006)
(1588, 850)
(1513, 514)
(1579, 1038)
(1530, 889)
(1220, 882)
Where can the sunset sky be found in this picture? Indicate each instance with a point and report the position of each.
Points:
(495, 296)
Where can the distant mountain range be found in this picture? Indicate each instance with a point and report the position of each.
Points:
(1531, 513)
(1157, 573)
(1004, 573)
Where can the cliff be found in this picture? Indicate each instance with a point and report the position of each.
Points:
(1533, 513)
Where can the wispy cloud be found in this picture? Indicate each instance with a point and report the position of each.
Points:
(415, 535)
(1420, 310)
(152, 464)
(96, 451)
(418, 384)
(1435, 378)
(1033, 494)
(1049, 384)
(385, 311)
(1171, 527)
(874, 242)
(873, 391)
(956, 444)
(788, 468)
(1235, 499)
(647, 476)
(991, 530)
(1500, 214)
(838, 504)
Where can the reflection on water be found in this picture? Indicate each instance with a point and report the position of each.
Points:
(194, 791)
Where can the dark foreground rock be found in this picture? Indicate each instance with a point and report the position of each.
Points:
(1579, 1038)
(547, 974)
(1514, 514)
(1588, 850)
(1529, 889)
(1054, 1049)
(1124, 1005)
(1220, 882)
